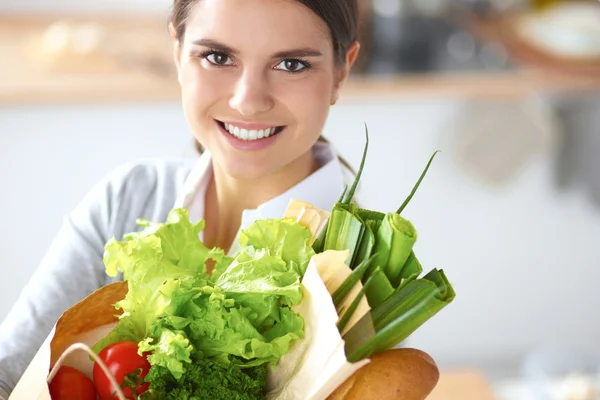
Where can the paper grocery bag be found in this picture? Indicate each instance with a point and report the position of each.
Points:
(86, 322)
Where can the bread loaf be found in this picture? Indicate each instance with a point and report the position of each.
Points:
(397, 374)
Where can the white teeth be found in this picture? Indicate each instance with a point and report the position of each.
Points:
(246, 134)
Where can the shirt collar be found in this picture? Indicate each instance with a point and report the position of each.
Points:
(322, 188)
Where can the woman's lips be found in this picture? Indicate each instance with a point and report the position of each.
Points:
(250, 139)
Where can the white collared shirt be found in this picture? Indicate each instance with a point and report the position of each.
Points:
(322, 189)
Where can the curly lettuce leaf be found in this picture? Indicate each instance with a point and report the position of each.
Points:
(261, 283)
(178, 312)
(171, 350)
(283, 237)
(149, 260)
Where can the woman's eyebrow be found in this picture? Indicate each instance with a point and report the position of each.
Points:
(299, 52)
(213, 44)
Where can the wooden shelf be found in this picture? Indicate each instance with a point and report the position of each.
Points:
(134, 63)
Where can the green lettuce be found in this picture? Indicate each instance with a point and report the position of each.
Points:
(179, 313)
(282, 237)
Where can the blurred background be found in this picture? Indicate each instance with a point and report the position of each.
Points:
(508, 90)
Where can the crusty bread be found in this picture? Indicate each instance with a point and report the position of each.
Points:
(397, 374)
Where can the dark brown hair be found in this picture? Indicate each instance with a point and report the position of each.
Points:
(341, 17)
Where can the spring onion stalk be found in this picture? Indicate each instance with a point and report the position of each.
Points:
(407, 309)
(365, 245)
(350, 311)
(345, 199)
(342, 291)
(380, 289)
(350, 194)
(410, 271)
(343, 232)
(371, 222)
(414, 190)
(319, 243)
(394, 241)
(432, 291)
(381, 255)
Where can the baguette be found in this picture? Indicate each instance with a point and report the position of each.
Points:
(397, 374)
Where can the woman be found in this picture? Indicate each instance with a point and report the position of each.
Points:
(257, 79)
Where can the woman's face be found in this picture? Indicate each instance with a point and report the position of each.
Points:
(257, 78)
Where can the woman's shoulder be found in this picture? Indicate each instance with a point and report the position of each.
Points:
(143, 188)
(151, 174)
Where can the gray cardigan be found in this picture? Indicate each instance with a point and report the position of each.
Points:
(72, 267)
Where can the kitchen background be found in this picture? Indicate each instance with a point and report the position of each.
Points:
(508, 90)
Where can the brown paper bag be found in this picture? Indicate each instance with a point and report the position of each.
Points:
(86, 322)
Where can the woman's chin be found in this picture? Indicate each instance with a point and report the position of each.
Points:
(246, 171)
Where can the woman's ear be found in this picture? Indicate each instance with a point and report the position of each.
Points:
(176, 50)
(344, 71)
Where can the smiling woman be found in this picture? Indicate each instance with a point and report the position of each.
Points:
(257, 78)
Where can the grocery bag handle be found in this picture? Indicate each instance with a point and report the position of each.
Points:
(80, 346)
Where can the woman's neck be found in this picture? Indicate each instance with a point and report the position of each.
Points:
(227, 197)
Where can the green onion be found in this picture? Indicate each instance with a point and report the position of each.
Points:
(343, 232)
(380, 289)
(356, 275)
(394, 241)
(411, 270)
(381, 255)
(371, 222)
(368, 215)
(350, 194)
(365, 245)
(400, 315)
(413, 294)
(319, 244)
(348, 314)
(414, 190)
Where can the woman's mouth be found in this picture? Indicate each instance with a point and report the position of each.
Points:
(250, 134)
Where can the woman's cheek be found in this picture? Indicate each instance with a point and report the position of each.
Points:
(201, 90)
(309, 100)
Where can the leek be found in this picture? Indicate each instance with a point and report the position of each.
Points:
(320, 242)
(343, 231)
(342, 291)
(348, 313)
(380, 289)
(381, 255)
(365, 245)
(414, 189)
(400, 315)
(394, 241)
(371, 222)
(413, 295)
(411, 270)
(350, 194)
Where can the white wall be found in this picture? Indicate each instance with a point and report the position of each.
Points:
(83, 6)
(522, 258)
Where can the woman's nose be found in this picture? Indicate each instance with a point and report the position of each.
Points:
(251, 95)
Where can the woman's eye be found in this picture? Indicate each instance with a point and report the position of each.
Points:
(218, 58)
(292, 65)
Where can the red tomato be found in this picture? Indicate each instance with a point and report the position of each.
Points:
(70, 383)
(126, 365)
